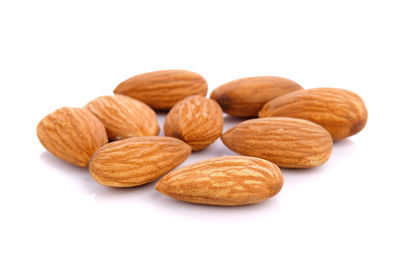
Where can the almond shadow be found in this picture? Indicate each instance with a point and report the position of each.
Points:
(49, 159)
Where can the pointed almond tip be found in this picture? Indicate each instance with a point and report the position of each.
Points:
(226, 135)
(117, 89)
(159, 187)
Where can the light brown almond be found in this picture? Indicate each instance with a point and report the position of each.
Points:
(72, 134)
(124, 117)
(137, 160)
(163, 89)
(341, 112)
(196, 120)
(287, 142)
(229, 180)
(245, 97)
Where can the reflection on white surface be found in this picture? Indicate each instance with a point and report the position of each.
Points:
(145, 196)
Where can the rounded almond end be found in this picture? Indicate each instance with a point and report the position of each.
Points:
(156, 130)
(198, 147)
(359, 125)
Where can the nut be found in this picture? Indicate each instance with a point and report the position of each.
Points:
(287, 142)
(72, 134)
(137, 160)
(163, 89)
(124, 117)
(196, 120)
(245, 97)
(229, 180)
(341, 112)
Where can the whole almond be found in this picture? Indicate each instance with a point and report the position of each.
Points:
(196, 120)
(124, 117)
(245, 97)
(72, 134)
(287, 142)
(341, 112)
(137, 160)
(163, 89)
(229, 180)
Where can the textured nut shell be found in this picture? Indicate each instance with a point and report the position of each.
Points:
(245, 97)
(287, 142)
(163, 89)
(137, 160)
(341, 112)
(196, 120)
(72, 134)
(124, 117)
(229, 180)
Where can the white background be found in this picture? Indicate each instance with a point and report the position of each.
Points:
(343, 215)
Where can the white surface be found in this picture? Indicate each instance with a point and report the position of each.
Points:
(343, 215)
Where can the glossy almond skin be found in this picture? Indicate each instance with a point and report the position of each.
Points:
(137, 160)
(287, 142)
(196, 120)
(341, 112)
(124, 117)
(245, 97)
(163, 89)
(72, 134)
(227, 180)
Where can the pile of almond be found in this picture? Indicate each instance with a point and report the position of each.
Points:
(117, 136)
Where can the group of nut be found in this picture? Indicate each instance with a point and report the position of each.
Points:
(288, 127)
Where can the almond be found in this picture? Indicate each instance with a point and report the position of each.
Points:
(287, 142)
(196, 120)
(163, 89)
(72, 134)
(137, 160)
(341, 112)
(229, 180)
(124, 117)
(245, 97)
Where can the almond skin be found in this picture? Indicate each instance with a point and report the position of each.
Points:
(163, 89)
(287, 142)
(341, 112)
(228, 180)
(124, 117)
(245, 97)
(137, 160)
(196, 120)
(72, 134)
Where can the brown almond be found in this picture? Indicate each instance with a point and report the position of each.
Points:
(163, 89)
(287, 142)
(245, 97)
(341, 112)
(196, 120)
(72, 134)
(124, 117)
(137, 160)
(229, 180)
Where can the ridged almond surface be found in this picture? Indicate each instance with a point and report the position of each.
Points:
(124, 117)
(196, 120)
(163, 89)
(137, 160)
(287, 142)
(229, 180)
(245, 97)
(341, 112)
(72, 134)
